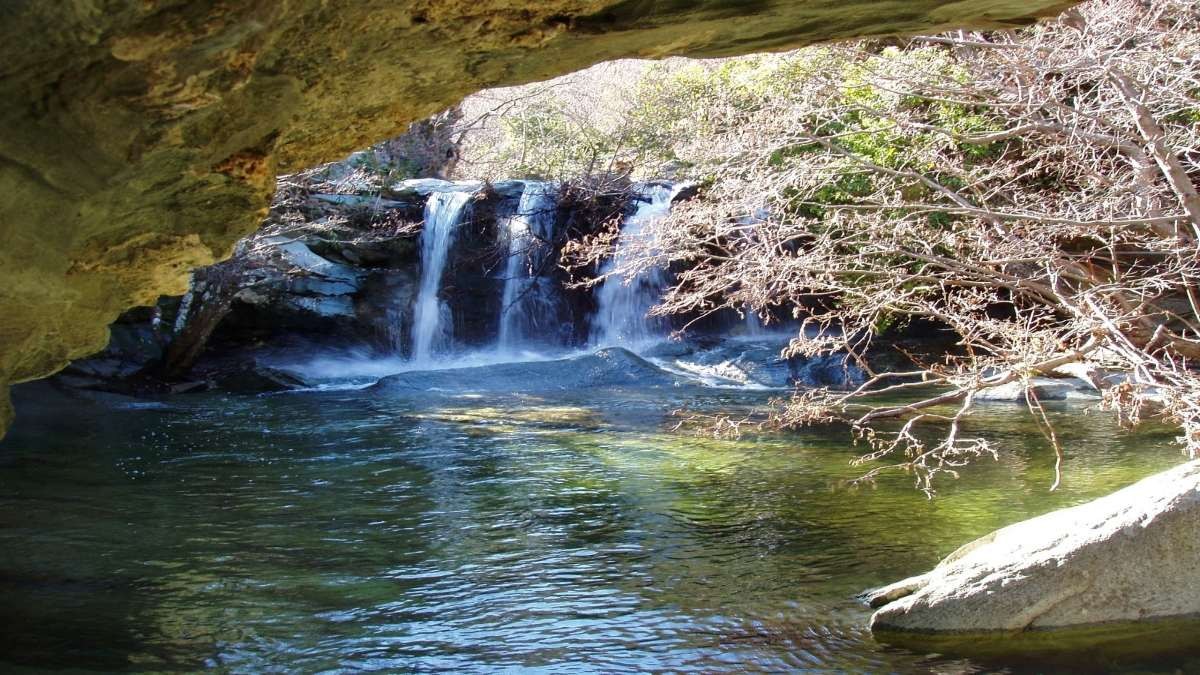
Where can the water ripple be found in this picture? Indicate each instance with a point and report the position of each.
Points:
(337, 531)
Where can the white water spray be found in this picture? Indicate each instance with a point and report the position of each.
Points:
(432, 327)
(622, 304)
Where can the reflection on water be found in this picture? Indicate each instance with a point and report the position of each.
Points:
(349, 530)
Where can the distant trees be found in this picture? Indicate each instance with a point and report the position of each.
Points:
(1032, 192)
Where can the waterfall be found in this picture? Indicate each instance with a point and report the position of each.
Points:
(432, 328)
(394, 327)
(528, 304)
(753, 325)
(622, 303)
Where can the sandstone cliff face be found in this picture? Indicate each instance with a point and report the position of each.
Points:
(141, 138)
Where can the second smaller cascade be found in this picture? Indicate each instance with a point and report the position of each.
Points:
(527, 305)
(622, 304)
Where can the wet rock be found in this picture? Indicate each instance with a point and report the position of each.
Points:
(613, 367)
(1043, 388)
(747, 363)
(757, 362)
(252, 378)
(763, 365)
(1131, 556)
(187, 387)
(665, 350)
(832, 370)
(137, 342)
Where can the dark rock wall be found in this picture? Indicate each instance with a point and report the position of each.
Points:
(324, 272)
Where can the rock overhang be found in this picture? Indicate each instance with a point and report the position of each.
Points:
(142, 138)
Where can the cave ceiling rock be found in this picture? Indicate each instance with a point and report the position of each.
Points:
(142, 138)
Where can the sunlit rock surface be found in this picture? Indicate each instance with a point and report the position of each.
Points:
(141, 139)
(1131, 556)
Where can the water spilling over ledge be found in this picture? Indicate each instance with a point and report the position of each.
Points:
(529, 305)
(432, 331)
(622, 303)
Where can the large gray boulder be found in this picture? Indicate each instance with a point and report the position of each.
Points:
(1131, 556)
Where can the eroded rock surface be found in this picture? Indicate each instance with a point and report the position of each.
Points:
(141, 139)
(1131, 556)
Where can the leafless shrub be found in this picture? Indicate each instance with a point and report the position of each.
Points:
(1033, 192)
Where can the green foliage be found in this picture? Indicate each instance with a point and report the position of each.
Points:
(1186, 116)
(690, 122)
(548, 141)
(386, 170)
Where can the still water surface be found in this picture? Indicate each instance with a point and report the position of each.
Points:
(347, 530)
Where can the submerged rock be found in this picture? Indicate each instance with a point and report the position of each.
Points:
(1131, 556)
(613, 367)
(1043, 388)
(254, 378)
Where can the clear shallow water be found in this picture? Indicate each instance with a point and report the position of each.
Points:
(349, 530)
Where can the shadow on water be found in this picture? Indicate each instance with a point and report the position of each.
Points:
(478, 529)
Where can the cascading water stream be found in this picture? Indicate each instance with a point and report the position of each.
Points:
(622, 304)
(752, 324)
(431, 331)
(526, 301)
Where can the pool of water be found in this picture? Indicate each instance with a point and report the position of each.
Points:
(574, 532)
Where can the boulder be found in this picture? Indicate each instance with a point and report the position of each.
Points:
(763, 365)
(1044, 388)
(669, 350)
(748, 363)
(1132, 556)
(832, 370)
(251, 377)
(298, 255)
(291, 279)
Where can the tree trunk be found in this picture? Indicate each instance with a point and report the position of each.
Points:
(212, 295)
(1168, 162)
